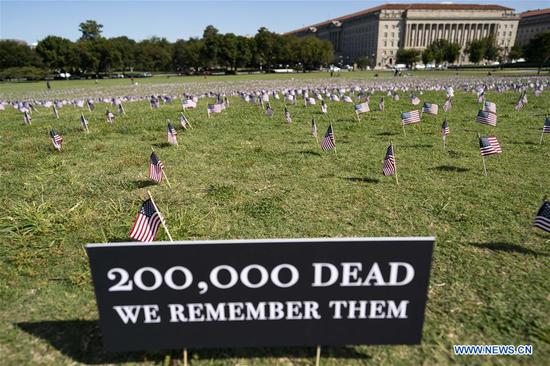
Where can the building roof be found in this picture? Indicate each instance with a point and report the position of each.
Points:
(406, 7)
(532, 13)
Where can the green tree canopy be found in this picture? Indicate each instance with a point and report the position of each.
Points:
(538, 49)
(407, 56)
(90, 30)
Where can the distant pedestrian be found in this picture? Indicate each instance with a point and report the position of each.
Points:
(48, 84)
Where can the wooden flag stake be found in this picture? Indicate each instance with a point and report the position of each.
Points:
(318, 356)
(482, 158)
(403, 125)
(185, 357)
(161, 217)
(394, 163)
(444, 138)
(163, 173)
(334, 138)
(541, 136)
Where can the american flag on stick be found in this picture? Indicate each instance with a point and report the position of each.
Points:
(545, 129)
(188, 104)
(27, 118)
(362, 108)
(430, 108)
(490, 107)
(313, 128)
(287, 116)
(156, 168)
(328, 143)
(324, 107)
(445, 129)
(183, 121)
(172, 134)
(57, 140)
(268, 111)
(381, 104)
(214, 108)
(389, 167)
(55, 112)
(410, 117)
(486, 118)
(147, 223)
(542, 220)
(109, 116)
(84, 122)
(447, 105)
(488, 145)
(415, 100)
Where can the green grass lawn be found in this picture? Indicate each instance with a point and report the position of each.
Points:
(241, 174)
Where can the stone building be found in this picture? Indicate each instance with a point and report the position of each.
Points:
(531, 23)
(377, 33)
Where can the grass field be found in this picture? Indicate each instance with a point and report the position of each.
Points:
(241, 174)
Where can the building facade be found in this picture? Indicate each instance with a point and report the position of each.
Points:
(532, 23)
(377, 33)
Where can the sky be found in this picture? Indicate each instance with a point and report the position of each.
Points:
(32, 21)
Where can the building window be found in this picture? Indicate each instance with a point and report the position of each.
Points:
(385, 26)
(385, 44)
(385, 34)
(392, 34)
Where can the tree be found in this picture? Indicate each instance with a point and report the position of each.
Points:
(516, 52)
(15, 54)
(427, 56)
(90, 30)
(265, 47)
(452, 51)
(127, 49)
(476, 50)
(228, 51)
(538, 50)
(492, 52)
(408, 56)
(211, 47)
(363, 63)
(58, 53)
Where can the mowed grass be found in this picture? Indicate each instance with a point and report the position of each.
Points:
(241, 174)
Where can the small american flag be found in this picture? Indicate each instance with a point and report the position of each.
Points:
(109, 116)
(481, 96)
(362, 108)
(268, 111)
(310, 101)
(83, 122)
(324, 107)
(415, 100)
(91, 105)
(328, 142)
(121, 111)
(287, 116)
(172, 134)
(147, 223)
(155, 103)
(410, 117)
(546, 127)
(488, 145)
(347, 99)
(313, 128)
(188, 104)
(55, 112)
(80, 103)
(334, 98)
(430, 108)
(521, 102)
(490, 107)
(447, 105)
(214, 108)
(183, 121)
(396, 97)
(389, 162)
(486, 118)
(445, 128)
(381, 104)
(155, 168)
(57, 140)
(542, 220)
(27, 118)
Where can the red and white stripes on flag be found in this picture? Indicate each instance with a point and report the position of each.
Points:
(389, 162)
(155, 168)
(188, 104)
(147, 223)
(362, 108)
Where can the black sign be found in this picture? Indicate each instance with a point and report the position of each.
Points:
(247, 293)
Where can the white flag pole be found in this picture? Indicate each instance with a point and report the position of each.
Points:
(161, 218)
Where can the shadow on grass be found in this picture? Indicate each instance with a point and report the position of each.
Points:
(386, 134)
(162, 145)
(143, 183)
(80, 340)
(362, 179)
(451, 168)
(309, 152)
(509, 247)
(419, 146)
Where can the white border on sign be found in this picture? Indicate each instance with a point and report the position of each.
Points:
(264, 241)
